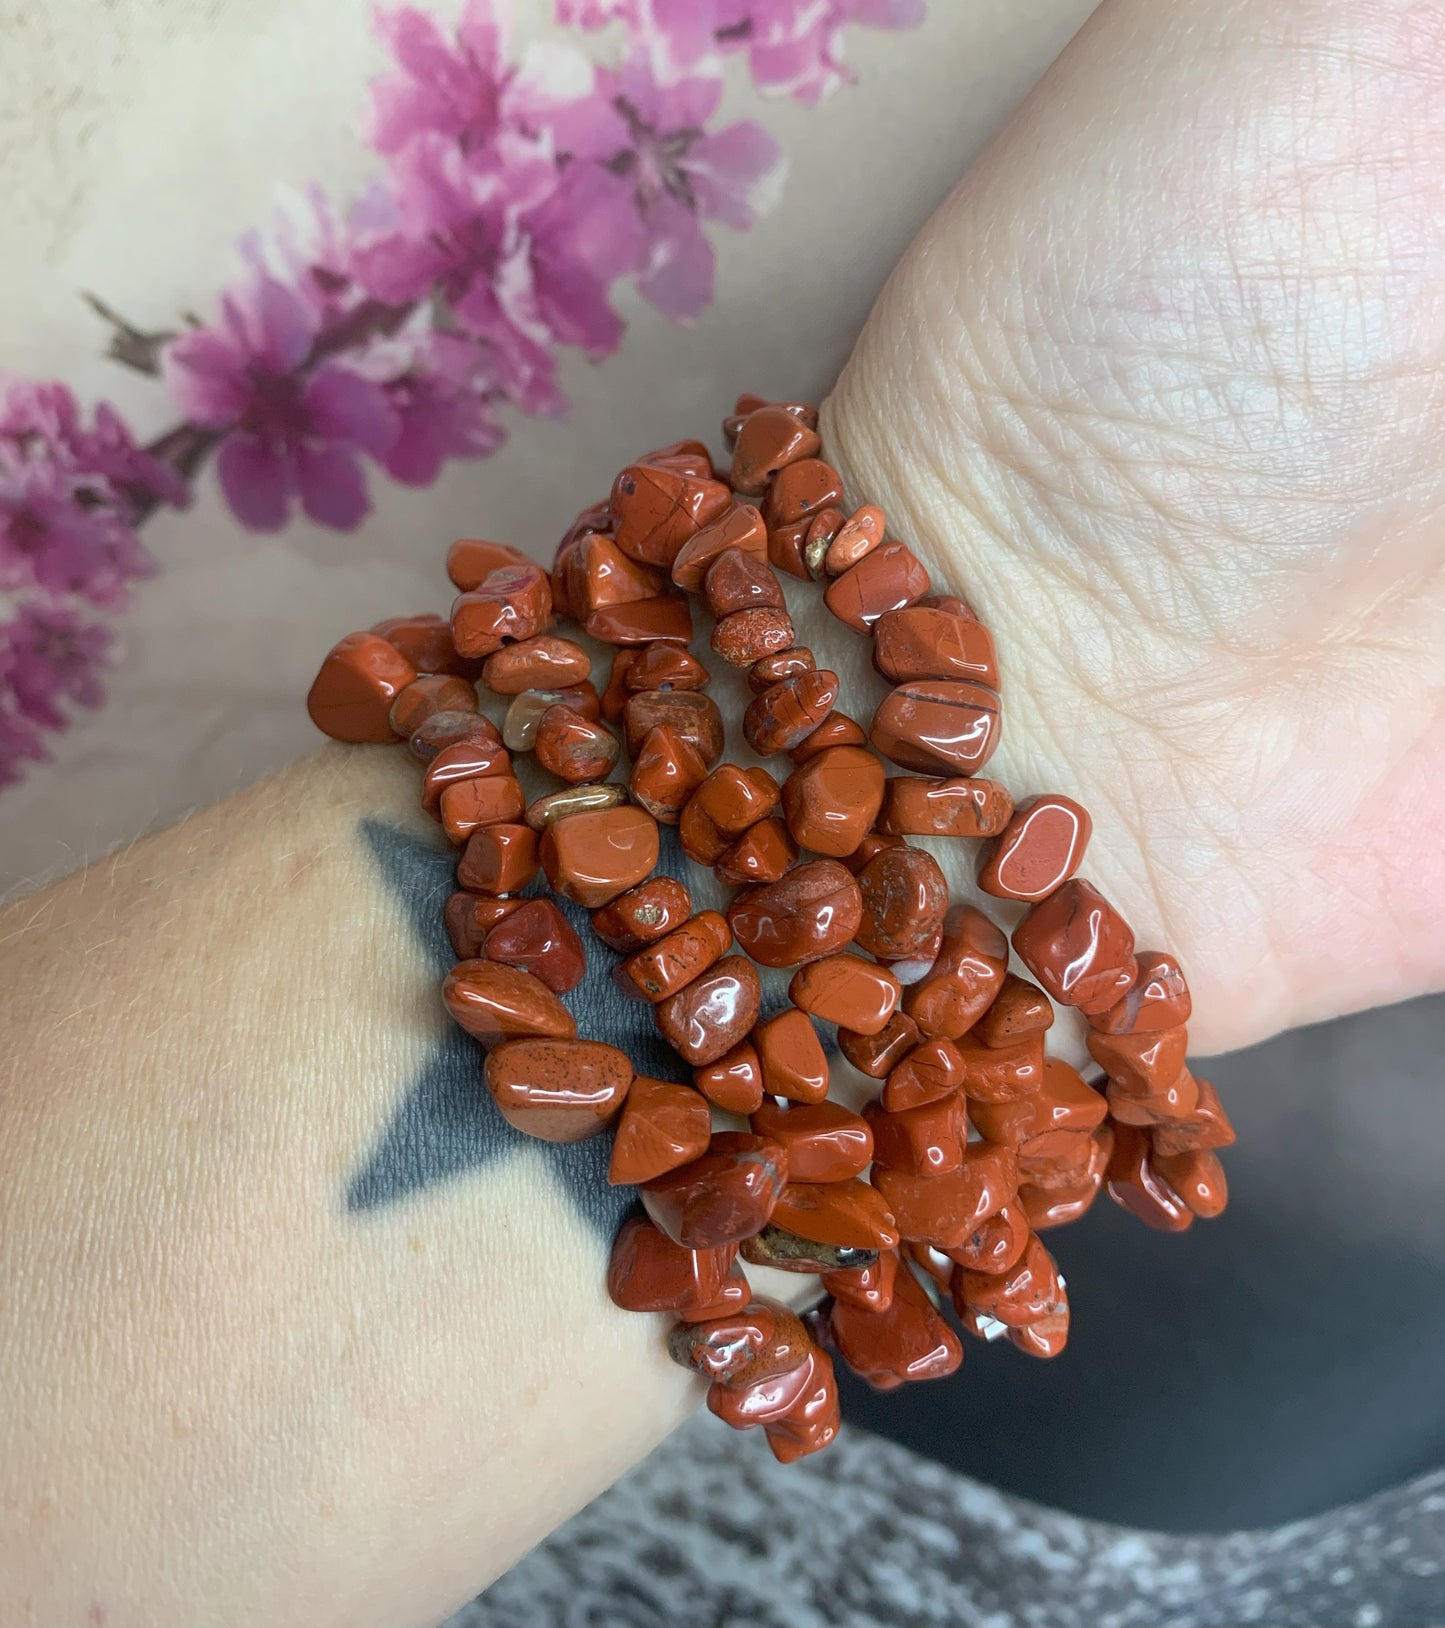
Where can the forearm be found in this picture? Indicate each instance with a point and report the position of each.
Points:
(295, 1328)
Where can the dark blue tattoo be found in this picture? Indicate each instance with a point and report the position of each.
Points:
(447, 1123)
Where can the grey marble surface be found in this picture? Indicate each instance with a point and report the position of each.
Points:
(711, 1533)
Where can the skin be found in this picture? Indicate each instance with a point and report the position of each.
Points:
(291, 1335)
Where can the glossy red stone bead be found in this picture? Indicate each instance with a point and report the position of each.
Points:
(537, 937)
(593, 856)
(1198, 1178)
(468, 759)
(824, 1140)
(905, 1342)
(869, 1288)
(574, 748)
(666, 771)
(471, 560)
(498, 859)
(665, 666)
(1026, 1293)
(545, 662)
(938, 726)
(351, 697)
(1063, 1104)
(656, 509)
(738, 581)
(1141, 1063)
(944, 1210)
(831, 800)
(1002, 1073)
(997, 1245)
(643, 914)
(640, 621)
(691, 716)
(1205, 1126)
(923, 1141)
(469, 917)
(768, 440)
(763, 853)
(904, 899)
(444, 729)
(923, 641)
(770, 670)
(1157, 999)
(466, 806)
(511, 602)
(788, 712)
(426, 642)
(855, 539)
(427, 695)
(887, 579)
(1018, 1009)
(662, 1126)
(1078, 947)
(849, 1214)
(726, 1195)
(846, 989)
(739, 526)
(801, 490)
(793, 1061)
(965, 976)
(875, 1054)
(672, 962)
(558, 1090)
(929, 1071)
(1135, 1185)
(960, 807)
(1040, 849)
(648, 1272)
(493, 1003)
(813, 911)
(734, 1081)
(713, 1013)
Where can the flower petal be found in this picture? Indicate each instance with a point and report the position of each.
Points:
(342, 406)
(736, 174)
(282, 327)
(679, 277)
(332, 487)
(257, 481)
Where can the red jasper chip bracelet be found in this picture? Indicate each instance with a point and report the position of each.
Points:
(978, 1141)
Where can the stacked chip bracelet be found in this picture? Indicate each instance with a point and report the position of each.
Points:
(978, 1141)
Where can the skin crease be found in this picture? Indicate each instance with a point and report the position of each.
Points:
(1158, 387)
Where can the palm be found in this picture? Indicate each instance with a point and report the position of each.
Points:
(1178, 435)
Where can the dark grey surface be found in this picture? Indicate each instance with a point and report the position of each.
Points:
(1267, 1366)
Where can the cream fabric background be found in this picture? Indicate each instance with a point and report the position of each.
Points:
(139, 138)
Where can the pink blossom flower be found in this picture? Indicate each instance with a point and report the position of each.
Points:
(58, 534)
(49, 654)
(795, 47)
(294, 426)
(650, 135)
(444, 400)
(42, 422)
(519, 267)
(465, 88)
(306, 246)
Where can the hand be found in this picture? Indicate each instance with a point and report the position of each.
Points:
(1161, 390)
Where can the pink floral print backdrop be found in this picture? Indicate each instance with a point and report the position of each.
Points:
(380, 337)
